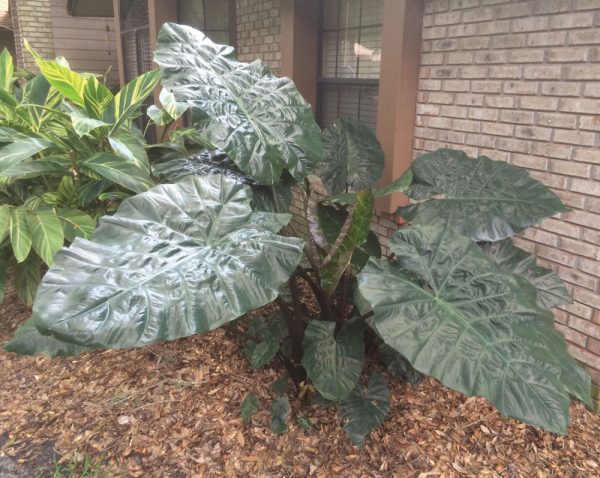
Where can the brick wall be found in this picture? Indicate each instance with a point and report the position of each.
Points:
(258, 28)
(32, 20)
(520, 81)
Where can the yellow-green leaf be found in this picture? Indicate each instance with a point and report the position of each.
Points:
(4, 221)
(46, 233)
(120, 171)
(67, 82)
(7, 69)
(133, 94)
(20, 236)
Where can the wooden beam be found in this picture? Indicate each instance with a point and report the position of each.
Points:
(118, 38)
(402, 25)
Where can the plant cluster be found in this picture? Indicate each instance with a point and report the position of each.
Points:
(455, 299)
(70, 152)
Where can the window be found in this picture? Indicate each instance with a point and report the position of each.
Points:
(351, 36)
(214, 18)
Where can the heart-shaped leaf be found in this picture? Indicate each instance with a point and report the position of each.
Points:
(177, 260)
(454, 314)
(484, 199)
(261, 121)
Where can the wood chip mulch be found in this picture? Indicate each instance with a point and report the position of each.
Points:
(173, 410)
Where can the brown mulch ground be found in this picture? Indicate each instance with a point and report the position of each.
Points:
(173, 410)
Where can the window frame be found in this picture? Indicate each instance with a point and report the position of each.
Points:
(340, 82)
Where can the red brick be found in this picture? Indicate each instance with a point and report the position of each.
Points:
(517, 116)
(529, 24)
(533, 132)
(570, 168)
(521, 87)
(583, 138)
(585, 326)
(571, 20)
(557, 120)
(572, 335)
(546, 38)
(586, 186)
(544, 72)
(579, 310)
(538, 103)
(528, 55)
(561, 227)
(590, 123)
(582, 72)
(557, 88)
(551, 150)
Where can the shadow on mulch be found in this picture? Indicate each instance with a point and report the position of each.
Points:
(173, 410)
(33, 460)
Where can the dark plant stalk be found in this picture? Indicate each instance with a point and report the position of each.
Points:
(323, 300)
(295, 326)
(342, 306)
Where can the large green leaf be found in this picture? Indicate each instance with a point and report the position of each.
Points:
(333, 362)
(366, 409)
(353, 234)
(120, 171)
(400, 185)
(484, 199)
(28, 340)
(20, 149)
(46, 233)
(20, 235)
(132, 96)
(551, 291)
(472, 326)
(7, 69)
(352, 157)
(177, 260)
(261, 121)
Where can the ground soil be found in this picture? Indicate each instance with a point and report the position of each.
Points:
(173, 410)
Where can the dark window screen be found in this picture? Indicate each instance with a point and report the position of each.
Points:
(212, 17)
(350, 60)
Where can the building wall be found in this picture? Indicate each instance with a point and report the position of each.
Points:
(519, 81)
(258, 31)
(32, 20)
(88, 43)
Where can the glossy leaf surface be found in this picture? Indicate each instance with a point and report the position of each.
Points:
(333, 363)
(352, 157)
(551, 292)
(261, 121)
(472, 326)
(177, 260)
(366, 409)
(484, 199)
(28, 341)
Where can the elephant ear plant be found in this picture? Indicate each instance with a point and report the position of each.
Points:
(455, 299)
(69, 153)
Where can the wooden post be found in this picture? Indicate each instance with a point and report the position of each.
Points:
(300, 45)
(402, 24)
